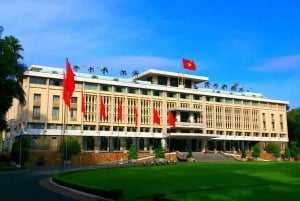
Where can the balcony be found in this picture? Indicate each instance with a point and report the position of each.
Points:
(189, 125)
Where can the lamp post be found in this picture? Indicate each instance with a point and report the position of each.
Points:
(20, 154)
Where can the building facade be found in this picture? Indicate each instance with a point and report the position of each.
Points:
(205, 118)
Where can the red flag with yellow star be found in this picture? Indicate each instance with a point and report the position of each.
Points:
(188, 64)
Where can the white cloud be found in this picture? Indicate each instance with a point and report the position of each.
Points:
(279, 64)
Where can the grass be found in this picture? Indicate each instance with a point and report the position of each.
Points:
(228, 181)
(5, 166)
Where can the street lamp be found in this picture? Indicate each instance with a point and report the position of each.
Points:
(20, 154)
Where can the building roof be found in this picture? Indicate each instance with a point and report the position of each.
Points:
(151, 72)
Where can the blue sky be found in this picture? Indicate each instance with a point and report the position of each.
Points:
(253, 42)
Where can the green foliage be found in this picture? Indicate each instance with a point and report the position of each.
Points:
(293, 118)
(294, 149)
(268, 180)
(190, 154)
(287, 153)
(273, 149)
(132, 154)
(159, 152)
(243, 154)
(15, 151)
(68, 148)
(11, 75)
(256, 151)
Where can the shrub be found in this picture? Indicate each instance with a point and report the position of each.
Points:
(256, 151)
(273, 149)
(68, 148)
(190, 154)
(132, 152)
(159, 152)
(15, 151)
(4, 157)
(287, 153)
(294, 149)
(243, 154)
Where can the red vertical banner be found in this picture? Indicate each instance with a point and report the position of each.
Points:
(156, 118)
(136, 115)
(70, 78)
(120, 110)
(66, 92)
(171, 119)
(102, 109)
(83, 104)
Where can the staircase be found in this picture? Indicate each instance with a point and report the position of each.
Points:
(206, 157)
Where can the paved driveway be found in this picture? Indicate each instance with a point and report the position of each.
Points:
(24, 185)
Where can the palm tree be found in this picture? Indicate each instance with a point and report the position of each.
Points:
(135, 73)
(235, 86)
(241, 89)
(104, 70)
(76, 68)
(123, 73)
(91, 69)
(224, 87)
(215, 85)
(207, 84)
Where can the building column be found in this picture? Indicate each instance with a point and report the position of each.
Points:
(163, 143)
(224, 145)
(137, 143)
(242, 145)
(197, 144)
(111, 144)
(203, 144)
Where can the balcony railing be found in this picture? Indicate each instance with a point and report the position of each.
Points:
(189, 125)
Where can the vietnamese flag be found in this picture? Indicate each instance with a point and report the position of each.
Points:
(120, 111)
(136, 115)
(83, 104)
(156, 118)
(102, 109)
(66, 96)
(188, 64)
(171, 119)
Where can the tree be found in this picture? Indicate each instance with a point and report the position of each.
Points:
(273, 149)
(15, 151)
(123, 73)
(241, 89)
(104, 70)
(91, 69)
(76, 68)
(207, 84)
(11, 75)
(293, 119)
(256, 151)
(224, 87)
(132, 152)
(159, 152)
(215, 85)
(135, 73)
(68, 148)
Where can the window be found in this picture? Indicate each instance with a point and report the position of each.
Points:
(145, 92)
(55, 98)
(171, 95)
(37, 80)
(90, 86)
(105, 88)
(54, 142)
(174, 82)
(34, 143)
(162, 80)
(74, 100)
(37, 97)
(119, 89)
(73, 113)
(132, 90)
(53, 82)
(157, 93)
(197, 97)
(184, 96)
(36, 112)
(55, 112)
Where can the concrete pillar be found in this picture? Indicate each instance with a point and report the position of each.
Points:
(111, 144)
(197, 144)
(224, 145)
(203, 144)
(242, 145)
(137, 143)
(164, 143)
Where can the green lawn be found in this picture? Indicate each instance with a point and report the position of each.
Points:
(228, 181)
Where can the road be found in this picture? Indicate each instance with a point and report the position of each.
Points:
(24, 185)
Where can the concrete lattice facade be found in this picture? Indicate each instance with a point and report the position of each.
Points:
(221, 118)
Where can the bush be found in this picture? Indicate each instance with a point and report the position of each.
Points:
(287, 153)
(15, 151)
(68, 148)
(190, 154)
(294, 149)
(132, 152)
(256, 151)
(243, 154)
(159, 152)
(273, 149)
